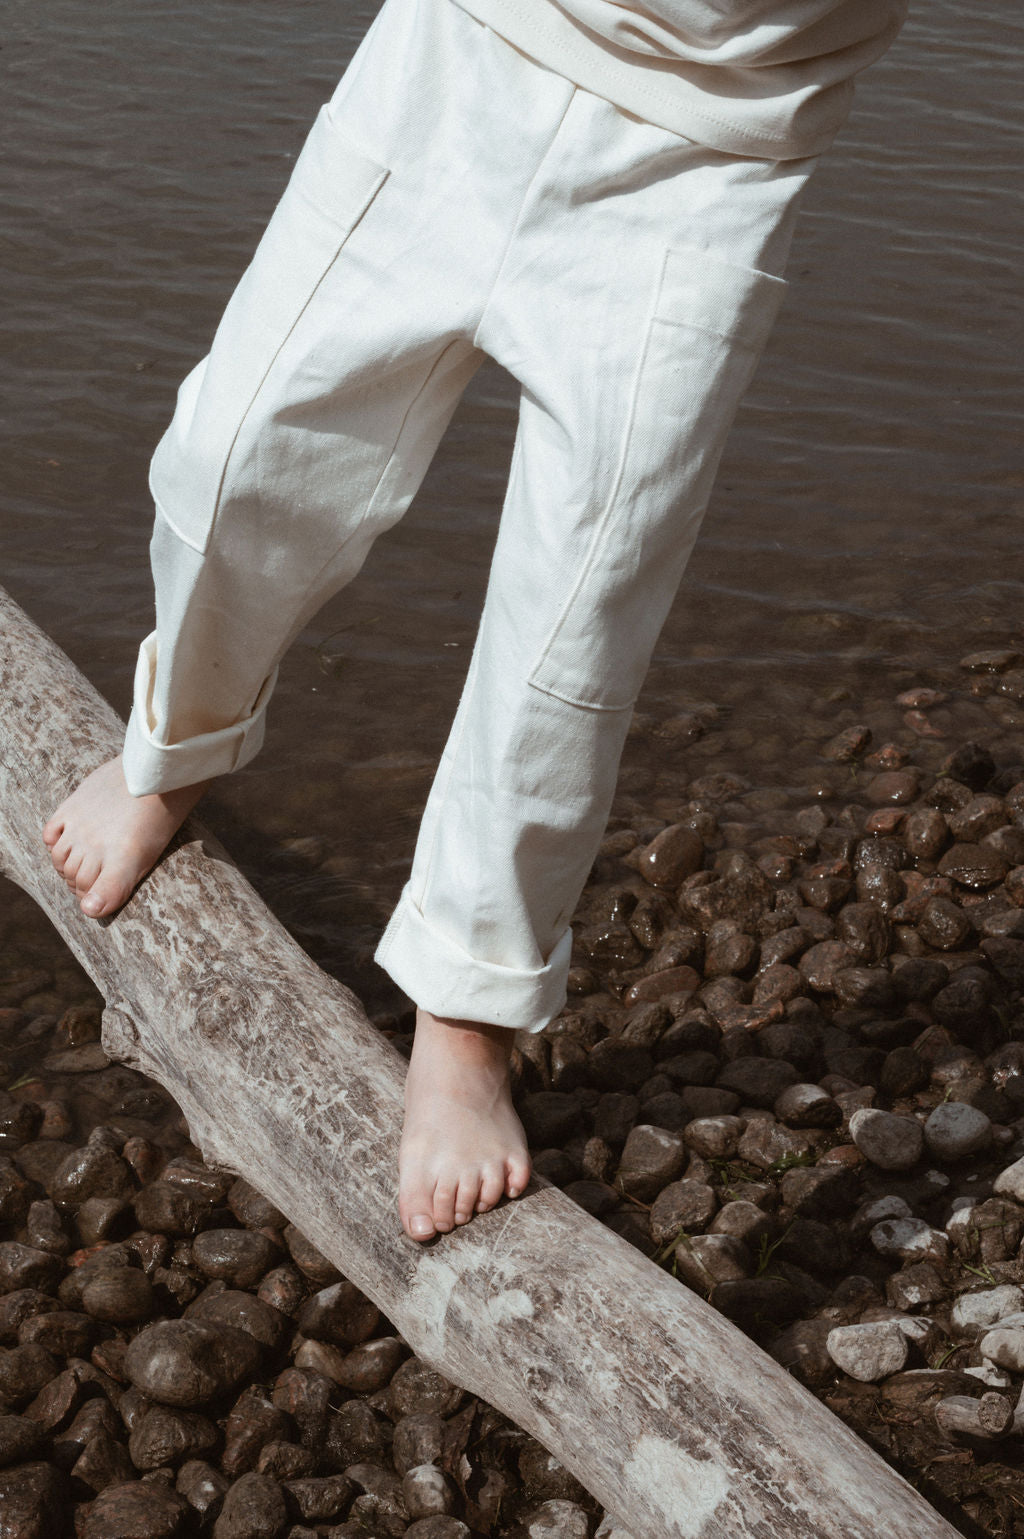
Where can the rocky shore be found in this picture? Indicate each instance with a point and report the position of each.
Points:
(791, 1071)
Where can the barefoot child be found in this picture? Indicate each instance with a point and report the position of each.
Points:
(600, 196)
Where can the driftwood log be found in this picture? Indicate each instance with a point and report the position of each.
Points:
(678, 1423)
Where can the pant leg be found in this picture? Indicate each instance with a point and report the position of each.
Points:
(633, 304)
(334, 371)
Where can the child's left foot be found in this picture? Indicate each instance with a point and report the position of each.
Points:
(463, 1146)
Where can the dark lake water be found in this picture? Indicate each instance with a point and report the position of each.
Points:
(864, 534)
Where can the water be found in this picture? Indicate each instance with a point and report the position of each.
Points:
(864, 533)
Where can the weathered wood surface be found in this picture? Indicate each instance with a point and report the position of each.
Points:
(679, 1424)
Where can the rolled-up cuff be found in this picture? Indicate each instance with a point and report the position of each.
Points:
(447, 981)
(150, 765)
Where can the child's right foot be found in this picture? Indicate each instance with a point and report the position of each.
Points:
(103, 840)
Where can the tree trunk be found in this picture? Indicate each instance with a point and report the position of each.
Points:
(681, 1426)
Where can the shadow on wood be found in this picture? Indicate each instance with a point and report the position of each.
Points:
(678, 1424)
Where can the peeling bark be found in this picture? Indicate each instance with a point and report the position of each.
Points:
(681, 1426)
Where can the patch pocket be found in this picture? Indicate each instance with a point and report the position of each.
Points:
(331, 187)
(704, 335)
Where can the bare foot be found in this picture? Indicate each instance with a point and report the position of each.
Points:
(462, 1145)
(103, 840)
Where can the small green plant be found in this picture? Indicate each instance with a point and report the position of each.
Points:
(940, 1361)
(984, 1272)
(790, 1161)
(766, 1250)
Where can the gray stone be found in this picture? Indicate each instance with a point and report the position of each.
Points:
(955, 1130)
(427, 1491)
(1010, 1182)
(185, 1363)
(652, 1158)
(1004, 1346)
(888, 1141)
(868, 1352)
(714, 1137)
(807, 1106)
(682, 1205)
(973, 1313)
(911, 1239)
(557, 1520)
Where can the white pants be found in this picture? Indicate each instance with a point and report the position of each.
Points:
(455, 199)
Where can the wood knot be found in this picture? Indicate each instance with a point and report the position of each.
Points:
(119, 1034)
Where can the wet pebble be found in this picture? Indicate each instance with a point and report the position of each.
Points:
(427, 1491)
(120, 1295)
(318, 1499)
(253, 1508)
(24, 1371)
(340, 1314)
(283, 1288)
(415, 1387)
(167, 1437)
(91, 1171)
(419, 1439)
(25, 1266)
(141, 1510)
(652, 1157)
(34, 1501)
(186, 1363)
(64, 1332)
(688, 1205)
(673, 855)
(21, 1439)
(202, 1486)
(236, 1308)
(254, 1421)
(238, 1256)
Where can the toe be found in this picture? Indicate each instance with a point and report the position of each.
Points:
(466, 1196)
(53, 830)
(59, 853)
(492, 1187)
(69, 870)
(86, 875)
(444, 1205)
(517, 1175)
(416, 1209)
(105, 896)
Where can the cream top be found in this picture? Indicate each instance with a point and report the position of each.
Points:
(771, 78)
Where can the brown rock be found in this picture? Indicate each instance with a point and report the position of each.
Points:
(254, 1508)
(91, 1171)
(975, 866)
(165, 1208)
(167, 1437)
(897, 787)
(285, 1461)
(419, 1439)
(305, 1396)
(309, 1260)
(21, 1439)
(185, 1363)
(23, 1266)
(253, 1422)
(103, 1462)
(319, 1499)
(238, 1256)
(819, 965)
(34, 1502)
(202, 1486)
(254, 1210)
(943, 924)
(340, 1314)
(371, 1365)
(682, 1205)
(234, 1307)
(283, 1288)
(673, 855)
(415, 1387)
(23, 1373)
(121, 1295)
(652, 1157)
(64, 1332)
(138, 1510)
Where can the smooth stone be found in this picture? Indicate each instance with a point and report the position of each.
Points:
(254, 1508)
(714, 1137)
(253, 1421)
(557, 1520)
(34, 1501)
(682, 1205)
(703, 1260)
(91, 1171)
(340, 1314)
(24, 1266)
(1010, 1182)
(955, 1130)
(185, 1363)
(308, 1259)
(437, 1528)
(245, 1312)
(419, 1439)
(807, 1106)
(167, 1437)
(121, 1295)
(24, 1372)
(868, 1352)
(104, 1461)
(415, 1387)
(909, 1238)
(319, 1498)
(1004, 1346)
(21, 1439)
(767, 1144)
(138, 1510)
(202, 1486)
(239, 1256)
(651, 1159)
(891, 1142)
(973, 1313)
(975, 866)
(427, 1491)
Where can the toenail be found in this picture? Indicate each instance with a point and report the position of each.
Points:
(514, 1191)
(420, 1224)
(91, 905)
(463, 1218)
